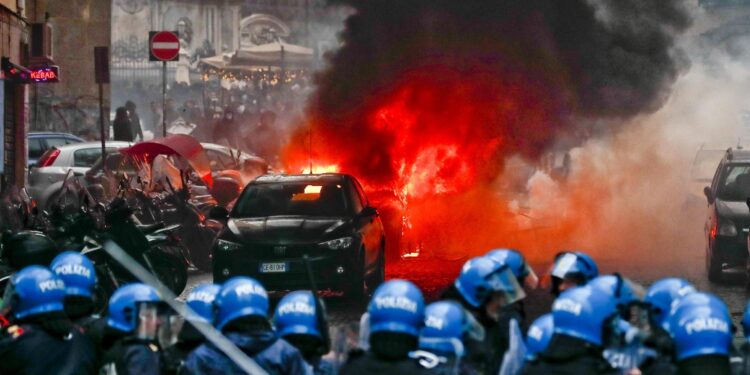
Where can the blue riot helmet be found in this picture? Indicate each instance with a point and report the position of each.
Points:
(78, 273)
(700, 325)
(295, 315)
(240, 297)
(396, 306)
(662, 295)
(136, 308)
(572, 269)
(517, 264)
(32, 291)
(584, 313)
(446, 326)
(482, 277)
(201, 301)
(539, 335)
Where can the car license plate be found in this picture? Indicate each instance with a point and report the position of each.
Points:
(272, 267)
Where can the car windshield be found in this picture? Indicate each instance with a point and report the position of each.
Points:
(735, 185)
(293, 199)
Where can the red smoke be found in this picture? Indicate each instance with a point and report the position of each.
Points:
(437, 137)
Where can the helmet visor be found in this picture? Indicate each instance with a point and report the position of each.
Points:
(564, 265)
(504, 281)
(531, 281)
(151, 318)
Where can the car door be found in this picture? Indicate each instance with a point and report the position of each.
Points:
(711, 212)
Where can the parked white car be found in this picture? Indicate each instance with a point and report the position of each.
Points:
(46, 177)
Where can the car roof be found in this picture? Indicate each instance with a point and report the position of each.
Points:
(282, 178)
(52, 134)
(82, 145)
(734, 155)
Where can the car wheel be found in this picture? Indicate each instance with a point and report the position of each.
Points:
(713, 268)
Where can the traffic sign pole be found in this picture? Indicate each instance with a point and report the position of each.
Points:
(164, 46)
(164, 98)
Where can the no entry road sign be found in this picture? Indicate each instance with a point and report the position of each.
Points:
(164, 46)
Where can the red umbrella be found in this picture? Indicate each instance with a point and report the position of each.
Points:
(178, 144)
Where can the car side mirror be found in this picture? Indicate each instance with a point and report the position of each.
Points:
(368, 211)
(709, 196)
(218, 213)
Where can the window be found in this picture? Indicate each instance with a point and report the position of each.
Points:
(357, 203)
(88, 156)
(292, 199)
(219, 161)
(735, 185)
(56, 142)
(35, 148)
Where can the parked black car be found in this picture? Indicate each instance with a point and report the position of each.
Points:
(728, 218)
(280, 218)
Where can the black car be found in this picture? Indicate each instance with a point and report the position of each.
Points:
(728, 219)
(280, 218)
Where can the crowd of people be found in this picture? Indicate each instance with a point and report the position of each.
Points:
(598, 324)
(243, 117)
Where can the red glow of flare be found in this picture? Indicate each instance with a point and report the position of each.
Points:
(420, 151)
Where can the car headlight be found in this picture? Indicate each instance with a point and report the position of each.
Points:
(225, 245)
(727, 229)
(339, 243)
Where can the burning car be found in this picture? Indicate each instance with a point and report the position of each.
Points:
(279, 219)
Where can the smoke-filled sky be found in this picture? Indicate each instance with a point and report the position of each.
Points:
(431, 97)
(512, 74)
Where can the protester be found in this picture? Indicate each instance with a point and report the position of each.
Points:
(122, 127)
(135, 121)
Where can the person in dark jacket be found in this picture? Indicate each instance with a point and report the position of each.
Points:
(298, 322)
(241, 314)
(133, 322)
(225, 130)
(581, 317)
(122, 127)
(200, 300)
(135, 121)
(396, 315)
(40, 338)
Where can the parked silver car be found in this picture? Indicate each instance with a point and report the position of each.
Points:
(46, 177)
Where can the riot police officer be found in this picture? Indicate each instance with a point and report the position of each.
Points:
(297, 321)
(79, 276)
(659, 300)
(396, 314)
(571, 269)
(741, 360)
(701, 327)
(241, 313)
(538, 336)
(200, 300)
(41, 339)
(135, 314)
(484, 288)
(582, 316)
(447, 327)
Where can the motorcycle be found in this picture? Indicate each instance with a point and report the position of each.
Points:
(196, 232)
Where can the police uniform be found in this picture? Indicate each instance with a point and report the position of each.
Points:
(132, 356)
(369, 363)
(569, 355)
(30, 349)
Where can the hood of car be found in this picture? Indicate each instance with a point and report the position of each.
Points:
(286, 229)
(732, 210)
